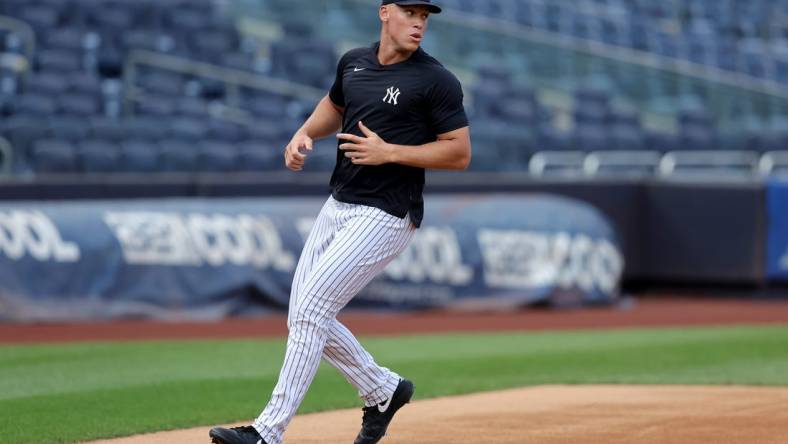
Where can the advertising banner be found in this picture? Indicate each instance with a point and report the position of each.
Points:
(209, 258)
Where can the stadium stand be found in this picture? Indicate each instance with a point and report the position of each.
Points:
(80, 88)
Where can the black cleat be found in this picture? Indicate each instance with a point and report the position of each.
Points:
(377, 418)
(235, 435)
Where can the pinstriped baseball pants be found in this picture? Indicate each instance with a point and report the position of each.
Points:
(347, 247)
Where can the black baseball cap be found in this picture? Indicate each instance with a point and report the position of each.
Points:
(433, 8)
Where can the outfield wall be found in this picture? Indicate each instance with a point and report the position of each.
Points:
(669, 232)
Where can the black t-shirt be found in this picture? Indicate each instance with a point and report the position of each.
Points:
(406, 103)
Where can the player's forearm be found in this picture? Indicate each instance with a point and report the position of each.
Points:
(447, 154)
(325, 120)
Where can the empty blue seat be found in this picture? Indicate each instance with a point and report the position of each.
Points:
(697, 138)
(266, 130)
(72, 129)
(113, 16)
(592, 114)
(662, 142)
(612, 32)
(140, 156)
(164, 83)
(46, 84)
(188, 129)
(99, 156)
(83, 105)
(54, 156)
(188, 19)
(21, 131)
(152, 106)
(104, 128)
(694, 118)
(59, 61)
(146, 128)
(149, 40)
(38, 105)
(83, 82)
(257, 155)
(70, 39)
(191, 107)
(306, 61)
(626, 137)
(39, 17)
(216, 156)
(226, 131)
(591, 138)
(178, 155)
(213, 44)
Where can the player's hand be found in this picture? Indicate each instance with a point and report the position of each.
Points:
(367, 150)
(295, 151)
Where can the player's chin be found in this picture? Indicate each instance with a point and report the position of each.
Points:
(411, 44)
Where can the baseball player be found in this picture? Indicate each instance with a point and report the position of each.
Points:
(400, 112)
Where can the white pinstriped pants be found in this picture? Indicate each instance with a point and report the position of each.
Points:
(347, 247)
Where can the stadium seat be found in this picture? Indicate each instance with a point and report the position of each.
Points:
(152, 106)
(217, 157)
(697, 138)
(83, 105)
(99, 156)
(21, 131)
(146, 128)
(72, 129)
(38, 105)
(168, 84)
(211, 45)
(191, 108)
(69, 39)
(140, 156)
(178, 155)
(626, 137)
(226, 131)
(54, 156)
(83, 83)
(236, 60)
(46, 84)
(188, 129)
(309, 62)
(256, 155)
(149, 40)
(104, 128)
(59, 60)
(40, 17)
(591, 138)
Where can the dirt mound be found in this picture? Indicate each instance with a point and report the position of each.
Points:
(555, 414)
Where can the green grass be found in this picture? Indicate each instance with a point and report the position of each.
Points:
(73, 392)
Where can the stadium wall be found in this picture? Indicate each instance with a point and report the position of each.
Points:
(669, 232)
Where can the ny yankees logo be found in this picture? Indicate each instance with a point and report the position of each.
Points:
(391, 96)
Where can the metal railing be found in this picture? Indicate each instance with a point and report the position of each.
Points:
(22, 29)
(616, 53)
(233, 78)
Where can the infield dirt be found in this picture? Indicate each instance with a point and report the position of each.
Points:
(553, 415)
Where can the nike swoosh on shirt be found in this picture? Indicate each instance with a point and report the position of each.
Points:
(357, 69)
